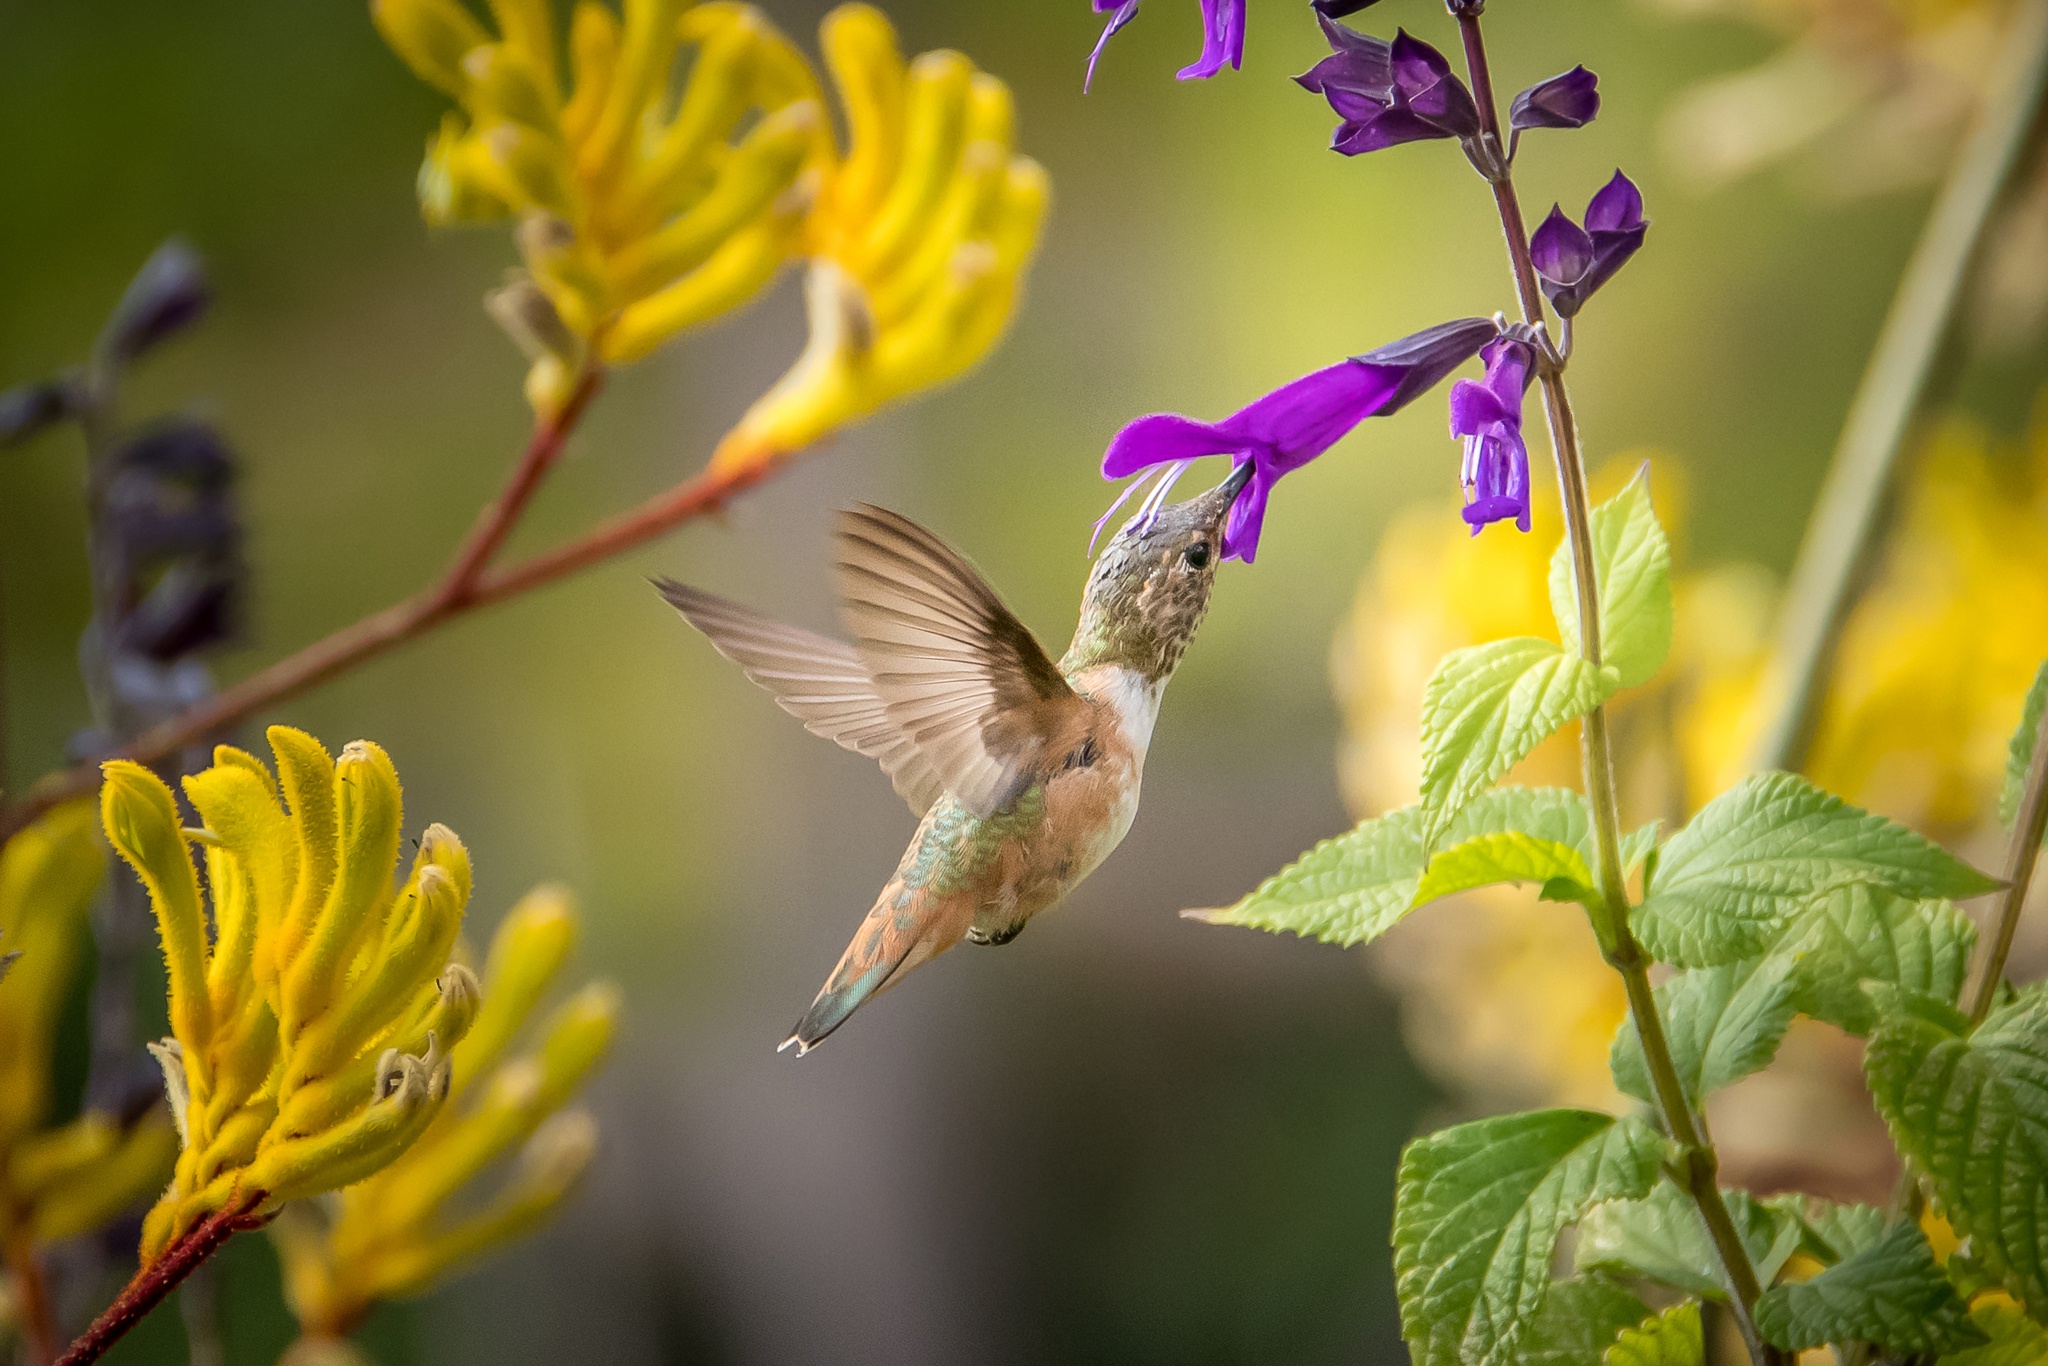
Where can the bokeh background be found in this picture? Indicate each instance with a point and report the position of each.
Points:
(1126, 1137)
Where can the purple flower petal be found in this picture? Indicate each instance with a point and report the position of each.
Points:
(1562, 252)
(1618, 207)
(1385, 128)
(1488, 415)
(1423, 82)
(1337, 9)
(1247, 518)
(1161, 438)
(1299, 421)
(1475, 408)
(1569, 100)
(1126, 11)
(1222, 39)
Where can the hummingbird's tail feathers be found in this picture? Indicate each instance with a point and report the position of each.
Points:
(899, 934)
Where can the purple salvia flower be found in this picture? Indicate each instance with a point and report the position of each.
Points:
(1567, 101)
(1572, 262)
(1337, 9)
(1289, 427)
(1488, 414)
(1413, 98)
(1222, 36)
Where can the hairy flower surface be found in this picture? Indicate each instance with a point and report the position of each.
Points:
(644, 209)
(1291, 426)
(918, 242)
(402, 1230)
(1222, 36)
(312, 1028)
(57, 1181)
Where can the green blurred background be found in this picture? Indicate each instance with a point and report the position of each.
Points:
(1125, 1138)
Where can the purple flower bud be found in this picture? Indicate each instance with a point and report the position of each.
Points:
(1222, 36)
(1389, 93)
(1572, 263)
(1488, 415)
(1291, 426)
(1567, 101)
(1337, 9)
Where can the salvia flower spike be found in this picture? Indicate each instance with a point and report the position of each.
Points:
(1222, 36)
(311, 1033)
(1487, 413)
(1573, 262)
(1292, 425)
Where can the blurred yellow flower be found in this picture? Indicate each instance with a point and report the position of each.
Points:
(648, 207)
(395, 1234)
(56, 1182)
(1506, 996)
(918, 244)
(312, 1029)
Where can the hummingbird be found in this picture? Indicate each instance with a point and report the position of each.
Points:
(1024, 772)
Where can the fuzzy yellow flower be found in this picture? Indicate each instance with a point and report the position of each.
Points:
(312, 1029)
(918, 243)
(62, 1180)
(397, 1233)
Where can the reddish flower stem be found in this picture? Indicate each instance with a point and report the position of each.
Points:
(468, 584)
(158, 1279)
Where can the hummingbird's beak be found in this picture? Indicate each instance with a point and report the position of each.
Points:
(1220, 498)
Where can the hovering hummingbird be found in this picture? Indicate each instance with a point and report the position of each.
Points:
(1024, 772)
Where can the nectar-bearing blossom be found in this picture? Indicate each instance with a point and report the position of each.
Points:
(1291, 426)
(1222, 36)
(311, 1029)
(1389, 93)
(918, 243)
(1572, 262)
(1569, 100)
(1487, 413)
(415, 1222)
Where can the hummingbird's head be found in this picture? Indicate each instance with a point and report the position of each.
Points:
(1150, 587)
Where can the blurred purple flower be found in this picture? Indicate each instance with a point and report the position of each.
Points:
(1222, 36)
(1389, 93)
(1289, 427)
(1567, 101)
(1488, 414)
(1572, 262)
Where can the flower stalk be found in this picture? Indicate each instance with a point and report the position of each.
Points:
(2027, 832)
(1897, 385)
(159, 1279)
(1697, 1167)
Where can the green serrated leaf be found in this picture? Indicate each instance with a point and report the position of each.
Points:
(1838, 1232)
(1579, 1321)
(1859, 933)
(1356, 886)
(1632, 565)
(1892, 1295)
(1663, 1238)
(1721, 1025)
(1728, 883)
(1507, 856)
(2020, 753)
(1673, 1338)
(1972, 1111)
(2015, 1339)
(1485, 708)
(1638, 844)
(1477, 1212)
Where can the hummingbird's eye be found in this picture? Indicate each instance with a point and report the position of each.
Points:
(1196, 556)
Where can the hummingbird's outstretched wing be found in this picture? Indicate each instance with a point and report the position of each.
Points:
(959, 676)
(820, 681)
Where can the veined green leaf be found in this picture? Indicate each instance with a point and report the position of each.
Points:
(1673, 1338)
(1730, 880)
(2020, 754)
(1663, 1238)
(1579, 1321)
(1355, 886)
(2016, 1340)
(1860, 933)
(1892, 1295)
(1835, 1232)
(1477, 1212)
(1507, 856)
(1486, 707)
(1632, 566)
(1972, 1111)
(1720, 1023)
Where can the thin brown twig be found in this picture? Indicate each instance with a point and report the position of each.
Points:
(1698, 1164)
(468, 585)
(151, 1284)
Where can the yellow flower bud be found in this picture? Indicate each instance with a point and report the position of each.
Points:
(433, 36)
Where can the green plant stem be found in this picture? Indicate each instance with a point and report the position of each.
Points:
(1697, 1162)
(2027, 831)
(1896, 387)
